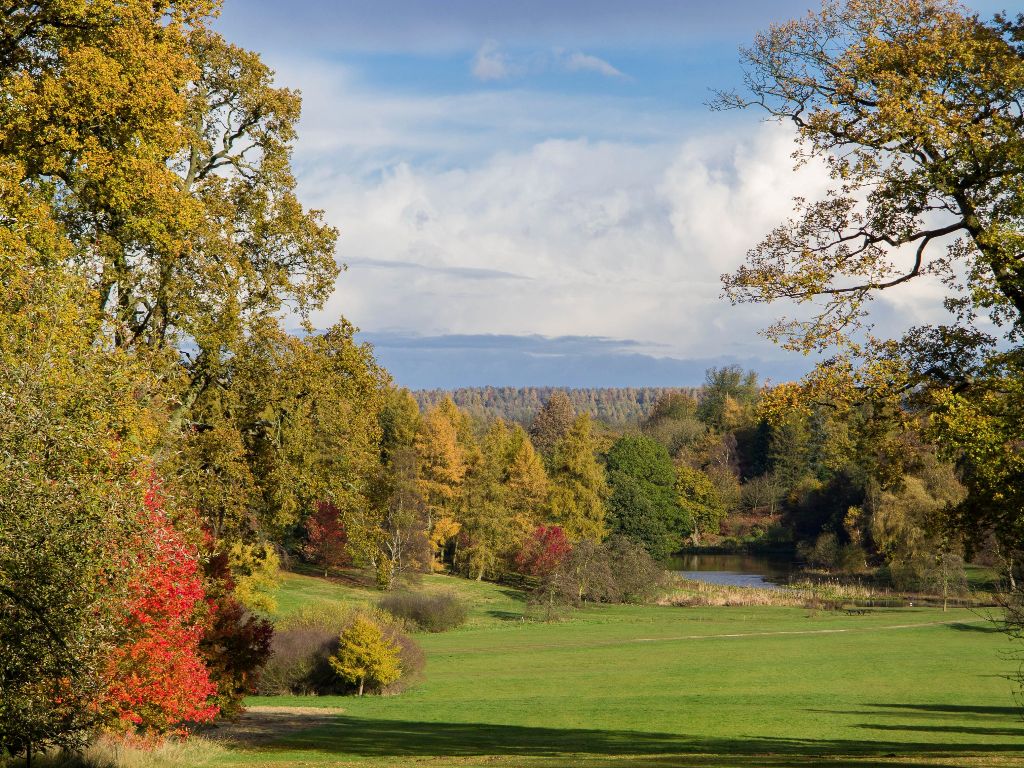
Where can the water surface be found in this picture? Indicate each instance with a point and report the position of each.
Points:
(733, 570)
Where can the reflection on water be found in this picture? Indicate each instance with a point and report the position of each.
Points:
(733, 570)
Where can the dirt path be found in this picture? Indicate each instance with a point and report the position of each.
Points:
(261, 725)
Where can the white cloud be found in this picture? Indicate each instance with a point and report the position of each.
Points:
(491, 64)
(621, 232)
(616, 239)
(582, 62)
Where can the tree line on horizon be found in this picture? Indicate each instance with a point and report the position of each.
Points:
(615, 406)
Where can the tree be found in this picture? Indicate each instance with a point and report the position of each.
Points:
(488, 524)
(542, 551)
(699, 499)
(551, 423)
(579, 487)
(441, 471)
(326, 542)
(365, 656)
(236, 643)
(158, 678)
(673, 422)
(527, 483)
(914, 107)
(403, 540)
(74, 432)
(728, 397)
(643, 504)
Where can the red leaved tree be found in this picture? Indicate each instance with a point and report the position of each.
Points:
(236, 643)
(543, 551)
(326, 541)
(158, 678)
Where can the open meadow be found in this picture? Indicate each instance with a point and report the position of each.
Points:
(658, 686)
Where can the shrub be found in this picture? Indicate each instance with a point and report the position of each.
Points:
(618, 571)
(298, 662)
(435, 612)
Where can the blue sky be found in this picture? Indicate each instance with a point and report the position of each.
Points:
(534, 192)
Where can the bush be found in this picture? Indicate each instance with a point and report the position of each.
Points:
(298, 662)
(437, 612)
(303, 644)
(618, 571)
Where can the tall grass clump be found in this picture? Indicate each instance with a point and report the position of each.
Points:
(429, 612)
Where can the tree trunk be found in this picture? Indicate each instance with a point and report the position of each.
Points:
(361, 681)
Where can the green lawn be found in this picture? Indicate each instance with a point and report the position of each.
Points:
(662, 686)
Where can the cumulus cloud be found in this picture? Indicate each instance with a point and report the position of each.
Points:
(616, 239)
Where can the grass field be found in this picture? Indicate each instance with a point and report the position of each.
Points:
(657, 686)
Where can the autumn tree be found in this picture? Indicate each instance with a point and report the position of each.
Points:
(365, 657)
(698, 497)
(488, 524)
(441, 471)
(552, 423)
(579, 488)
(542, 551)
(326, 541)
(728, 397)
(914, 107)
(674, 423)
(526, 481)
(158, 678)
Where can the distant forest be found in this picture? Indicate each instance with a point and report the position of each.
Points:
(615, 406)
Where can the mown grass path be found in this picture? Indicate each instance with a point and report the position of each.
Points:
(654, 687)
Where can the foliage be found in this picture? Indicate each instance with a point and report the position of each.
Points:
(542, 551)
(158, 679)
(616, 406)
(429, 612)
(643, 503)
(255, 572)
(366, 656)
(74, 430)
(700, 501)
(913, 106)
(728, 397)
(673, 422)
(579, 487)
(236, 643)
(617, 571)
(326, 541)
(552, 423)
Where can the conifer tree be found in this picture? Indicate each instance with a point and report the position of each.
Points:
(366, 656)
(579, 487)
(551, 423)
(527, 481)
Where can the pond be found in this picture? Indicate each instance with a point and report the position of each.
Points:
(734, 570)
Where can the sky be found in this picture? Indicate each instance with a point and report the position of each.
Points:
(535, 192)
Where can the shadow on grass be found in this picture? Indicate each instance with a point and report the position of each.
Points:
(506, 615)
(983, 628)
(370, 738)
